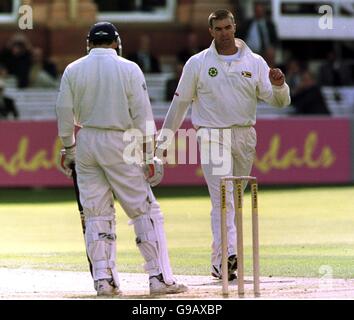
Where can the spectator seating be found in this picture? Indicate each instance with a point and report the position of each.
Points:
(34, 104)
(265, 110)
(39, 104)
(340, 100)
(156, 84)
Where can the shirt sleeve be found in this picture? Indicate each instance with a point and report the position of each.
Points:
(277, 96)
(65, 112)
(139, 104)
(183, 97)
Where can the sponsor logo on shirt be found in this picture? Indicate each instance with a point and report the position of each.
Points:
(246, 74)
(213, 72)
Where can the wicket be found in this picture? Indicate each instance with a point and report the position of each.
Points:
(238, 192)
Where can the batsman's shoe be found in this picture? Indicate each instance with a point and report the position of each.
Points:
(231, 269)
(106, 287)
(158, 286)
(216, 271)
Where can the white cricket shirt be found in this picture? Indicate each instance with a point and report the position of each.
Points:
(223, 94)
(102, 90)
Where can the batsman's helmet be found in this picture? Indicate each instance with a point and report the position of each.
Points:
(104, 31)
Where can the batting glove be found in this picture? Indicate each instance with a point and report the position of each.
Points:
(67, 160)
(153, 171)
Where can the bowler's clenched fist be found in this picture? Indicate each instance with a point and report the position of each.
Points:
(276, 77)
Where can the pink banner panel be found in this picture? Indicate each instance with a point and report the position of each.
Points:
(303, 150)
(298, 150)
(183, 174)
(28, 154)
(290, 151)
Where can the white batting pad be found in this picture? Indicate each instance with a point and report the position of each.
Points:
(100, 240)
(151, 241)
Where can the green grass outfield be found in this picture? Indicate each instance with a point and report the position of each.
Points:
(303, 231)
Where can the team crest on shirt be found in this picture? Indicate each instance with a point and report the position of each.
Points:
(144, 86)
(213, 72)
(246, 74)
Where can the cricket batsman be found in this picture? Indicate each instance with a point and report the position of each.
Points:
(106, 95)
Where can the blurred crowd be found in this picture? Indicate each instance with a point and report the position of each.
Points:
(31, 69)
(305, 81)
(27, 64)
(130, 5)
(259, 33)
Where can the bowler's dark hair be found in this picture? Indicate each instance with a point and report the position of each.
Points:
(220, 15)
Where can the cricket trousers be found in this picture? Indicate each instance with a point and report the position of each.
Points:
(102, 171)
(225, 152)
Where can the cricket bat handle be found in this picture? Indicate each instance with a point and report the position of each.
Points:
(82, 216)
